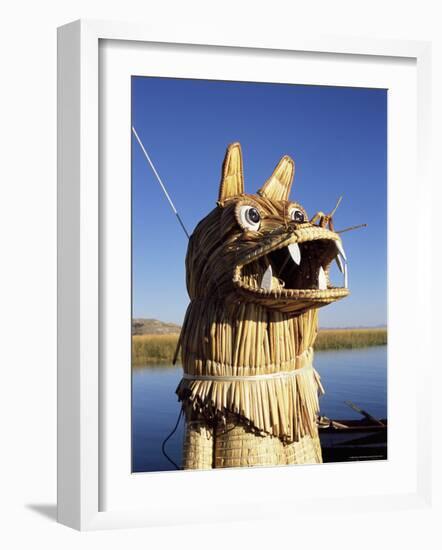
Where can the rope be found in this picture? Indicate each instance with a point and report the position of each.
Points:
(163, 445)
(163, 187)
(270, 376)
(160, 181)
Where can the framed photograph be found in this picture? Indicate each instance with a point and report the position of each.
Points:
(239, 232)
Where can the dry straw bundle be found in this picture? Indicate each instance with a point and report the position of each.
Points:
(257, 270)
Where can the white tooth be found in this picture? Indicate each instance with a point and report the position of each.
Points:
(340, 263)
(295, 252)
(266, 282)
(322, 280)
(345, 277)
(341, 249)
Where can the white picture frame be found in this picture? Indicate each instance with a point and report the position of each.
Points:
(81, 444)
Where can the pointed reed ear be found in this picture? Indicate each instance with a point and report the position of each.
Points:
(232, 177)
(277, 187)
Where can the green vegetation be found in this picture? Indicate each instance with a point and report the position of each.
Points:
(348, 338)
(153, 348)
(160, 348)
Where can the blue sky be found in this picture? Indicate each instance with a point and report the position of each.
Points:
(337, 137)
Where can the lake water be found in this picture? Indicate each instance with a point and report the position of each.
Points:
(355, 375)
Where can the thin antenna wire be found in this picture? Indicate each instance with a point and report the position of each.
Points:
(163, 187)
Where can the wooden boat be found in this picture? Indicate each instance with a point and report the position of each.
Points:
(353, 440)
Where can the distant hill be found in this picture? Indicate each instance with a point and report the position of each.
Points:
(153, 326)
(356, 327)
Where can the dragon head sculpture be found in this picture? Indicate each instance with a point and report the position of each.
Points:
(257, 270)
(263, 248)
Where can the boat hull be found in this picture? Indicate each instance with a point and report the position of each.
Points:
(357, 441)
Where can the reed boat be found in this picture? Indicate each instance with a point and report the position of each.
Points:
(353, 440)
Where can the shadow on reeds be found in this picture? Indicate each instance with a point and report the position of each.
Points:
(160, 348)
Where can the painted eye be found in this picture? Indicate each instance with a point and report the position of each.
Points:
(297, 215)
(249, 217)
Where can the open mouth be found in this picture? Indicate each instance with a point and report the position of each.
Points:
(299, 266)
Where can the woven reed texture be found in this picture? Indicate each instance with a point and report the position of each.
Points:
(234, 445)
(237, 327)
(238, 446)
(198, 446)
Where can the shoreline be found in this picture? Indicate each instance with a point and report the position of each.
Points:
(160, 348)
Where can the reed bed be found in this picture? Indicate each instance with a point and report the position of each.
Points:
(160, 348)
(335, 339)
(153, 348)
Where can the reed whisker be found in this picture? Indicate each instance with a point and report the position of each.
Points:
(353, 227)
